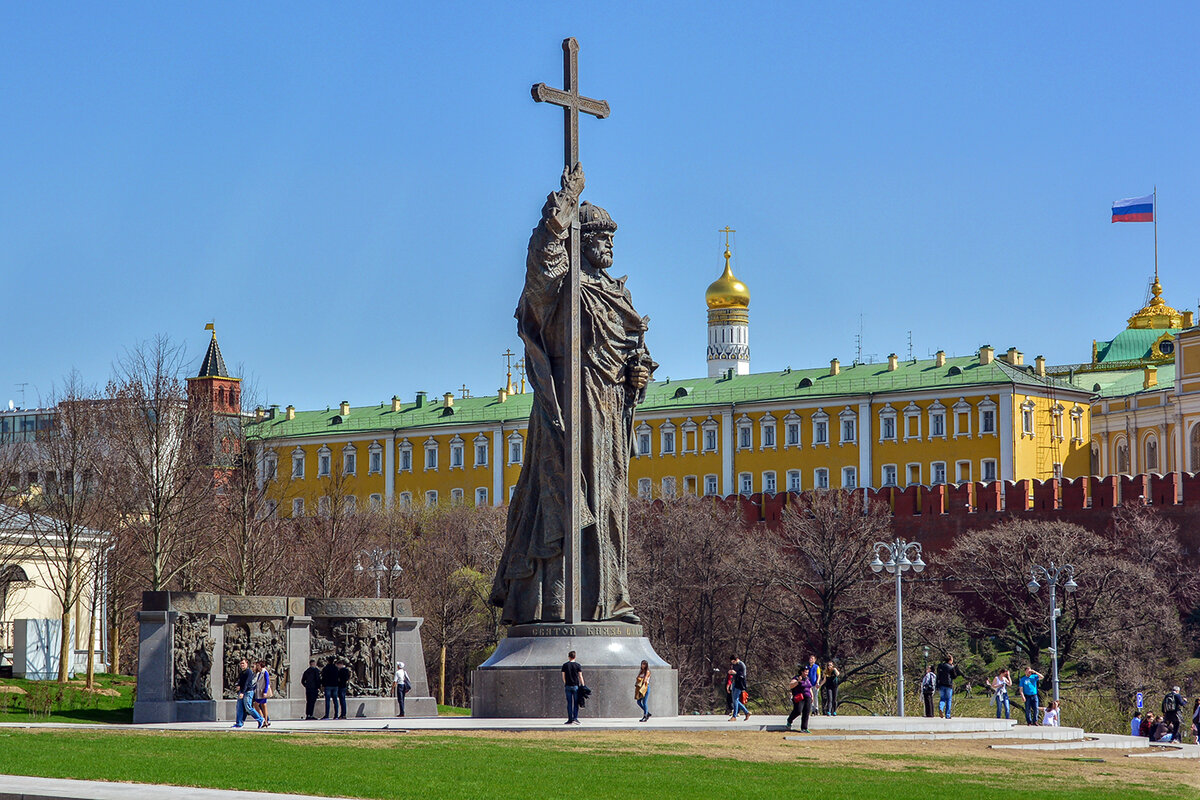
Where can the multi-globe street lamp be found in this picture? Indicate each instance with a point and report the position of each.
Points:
(1051, 576)
(901, 557)
(380, 563)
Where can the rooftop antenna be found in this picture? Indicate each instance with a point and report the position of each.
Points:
(858, 355)
(910, 357)
(22, 386)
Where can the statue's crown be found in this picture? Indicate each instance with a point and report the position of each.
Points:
(594, 218)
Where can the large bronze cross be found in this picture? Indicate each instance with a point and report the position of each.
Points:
(572, 103)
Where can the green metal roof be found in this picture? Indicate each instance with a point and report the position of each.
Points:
(664, 395)
(1119, 383)
(1132, 344)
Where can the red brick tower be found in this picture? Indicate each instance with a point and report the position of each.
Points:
(216, 400)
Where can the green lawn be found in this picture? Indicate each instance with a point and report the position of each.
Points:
(69, 703)
(554, 766)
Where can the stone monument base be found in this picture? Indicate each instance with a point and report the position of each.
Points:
(523, 678)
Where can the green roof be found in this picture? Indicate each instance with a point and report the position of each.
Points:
(1118, 383)
(663, 395)
(1132, 344)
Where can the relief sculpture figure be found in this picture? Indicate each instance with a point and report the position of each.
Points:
(616, 366)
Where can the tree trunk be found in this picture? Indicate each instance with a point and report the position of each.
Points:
(91, 658)
(442, 682)
(64, 651)
(114, 649)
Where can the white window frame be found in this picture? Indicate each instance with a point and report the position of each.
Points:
(1077, 424)
(645, 488)
(458, 449)
(298, 459)
(709, 430)
(350, 460)
(375, 459)
(645, 440)
(1058, 470)
(848, 416)
(404, 457)
(516, 447)
(912, 411)
(405, 499)
(888, 475)
(795, 481)
(481, 496)
(984, 466)
(769, 484)
(766, 432)
(431, 449)
(820, 423)
(934, 469)
(511, 491)
(961, 466)
(793, 435)
(1056, 423)
(1147, 440)
(270, 467)
(1028, 419)
(712, 485)
(936, 410)
(849, 477)
(375, 502)
(908, 472)
(960, 411)
(988, 406)
(431, 498)
(324, 462)
(349, 505)
(481, 448)
(323, 506)
(745, 433)
(667, 439)
(297, 506)
(690, 437)
(670, 488)
(821, 478)
(745, 483)
(456, 497)
(887, 414)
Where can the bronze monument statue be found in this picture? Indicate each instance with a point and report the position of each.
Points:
(615, 368)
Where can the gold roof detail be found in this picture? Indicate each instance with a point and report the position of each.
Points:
(727, 291)
(1157, 314)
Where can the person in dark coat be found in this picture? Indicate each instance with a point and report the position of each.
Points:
(329, 681)
(343, 685)
(311, 681)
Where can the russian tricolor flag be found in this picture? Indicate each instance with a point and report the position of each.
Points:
(1134, 209)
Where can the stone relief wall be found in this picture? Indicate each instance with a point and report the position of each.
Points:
(367, 647)
(193, 652)
(256, 640)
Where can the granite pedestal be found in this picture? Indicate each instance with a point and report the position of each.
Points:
(523, 678)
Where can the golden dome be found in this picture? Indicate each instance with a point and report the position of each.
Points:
(727, 291)
(1157, 314)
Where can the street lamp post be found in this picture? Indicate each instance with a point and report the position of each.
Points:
(901, 557)
(380, 563)
(1051, 576)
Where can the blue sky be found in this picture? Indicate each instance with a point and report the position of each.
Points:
(347, 189)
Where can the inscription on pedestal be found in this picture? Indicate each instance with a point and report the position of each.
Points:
(582, 629)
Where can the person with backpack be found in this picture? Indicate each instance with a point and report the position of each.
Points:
(802, 691)
(1173, 703)
(831, 677)
(737, 672)
(928, 687)
(1029, 694)
(946, 673)
(401, 685)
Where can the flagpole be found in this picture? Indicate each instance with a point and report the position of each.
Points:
(1154, 216)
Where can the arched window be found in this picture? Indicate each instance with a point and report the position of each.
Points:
(1151, 454)
(1095, 466)
(1122, 458)
(1195, 447)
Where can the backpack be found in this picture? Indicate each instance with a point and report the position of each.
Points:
(1168, 704)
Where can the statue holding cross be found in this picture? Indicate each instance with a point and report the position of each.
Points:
(586, 356)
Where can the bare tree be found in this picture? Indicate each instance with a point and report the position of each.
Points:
(327, 545)
(63, 522)
(157, 477)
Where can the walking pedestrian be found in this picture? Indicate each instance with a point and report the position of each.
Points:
(245, 695)
(946, 673)
(928, 688)
(802, 692)
(831, 677)
(262, 691)
(329, 682)
(1172, 705)
(401, 684)
(343, 685)
(814, 677)
(641, 690)
(1000, 685)
(1029, 694)
(737, 671)
(311, 681)
(572, 675)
